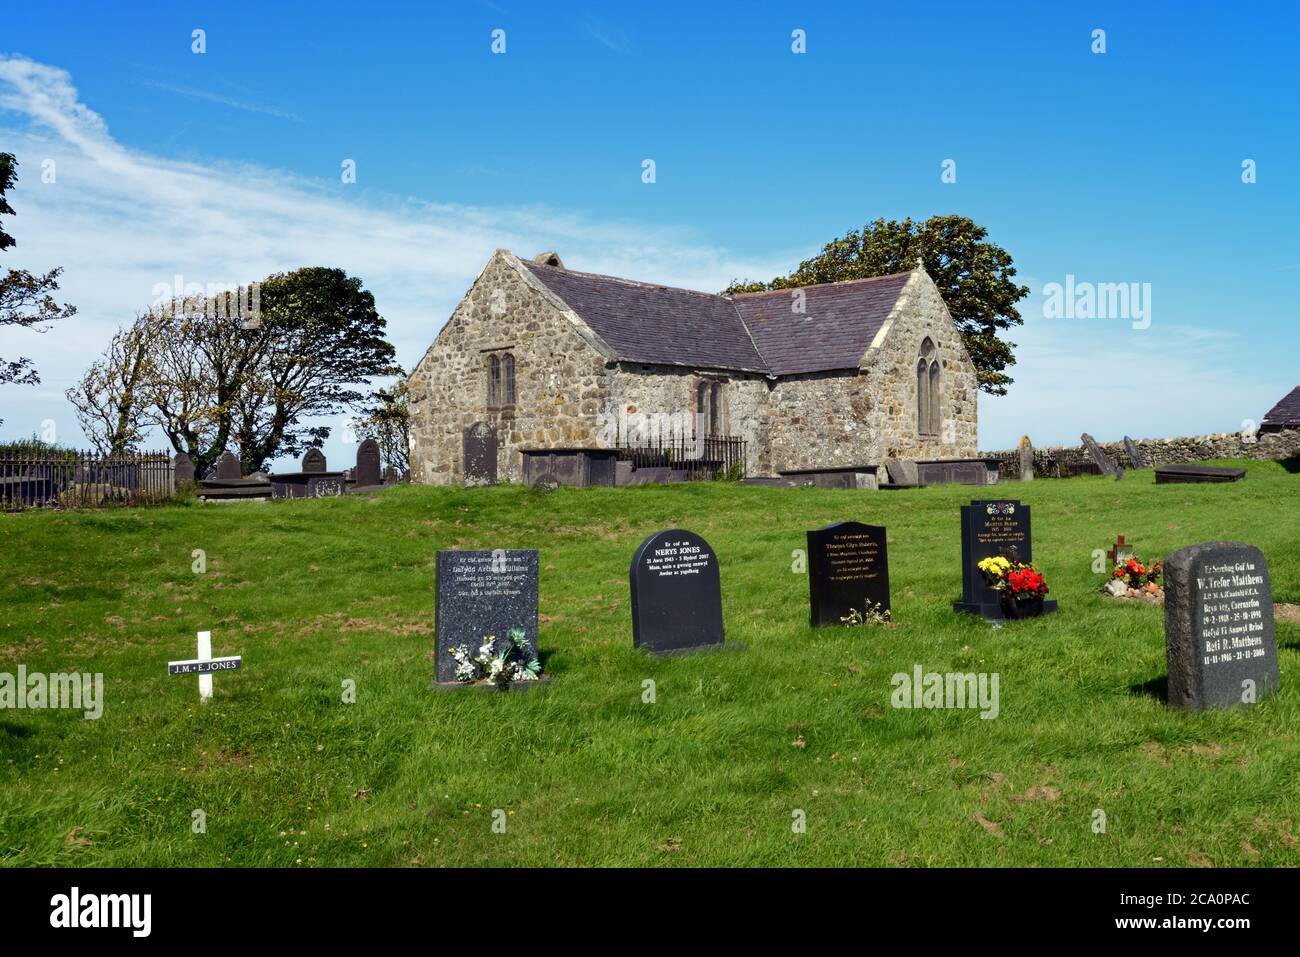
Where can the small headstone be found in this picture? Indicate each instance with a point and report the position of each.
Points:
(228, 467)
(313, 461)
(988, 529)
(1134, 453)
(367, 471)
(1220, 637)
(482, 594)
(390, 475)
(480, 448)
(183, 469)
(1097, 455)
(1026, 459)
(1119, 472)
(848, 573)
(676, 593)
(1120, 552)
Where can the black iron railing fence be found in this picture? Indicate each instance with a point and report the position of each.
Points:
(703, 457)
(69, 478)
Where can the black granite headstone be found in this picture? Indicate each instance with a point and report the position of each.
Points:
(848, 570)
(313, 461)
(1220, 637)
(1103, 460)
(676, 593)
(482, 594)
(367, 472)
(228, 466)
(987, 529)
(480, 448)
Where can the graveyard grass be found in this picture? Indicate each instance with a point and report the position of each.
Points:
(313, 593)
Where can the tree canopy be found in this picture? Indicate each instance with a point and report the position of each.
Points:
(974, 276)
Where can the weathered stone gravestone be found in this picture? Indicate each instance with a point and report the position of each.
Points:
(1220, 637)
(482, 594)
(228, 467)
(987, 529)
(183, 470)
(1134, 453)
(848, 573)
(1095, 452)
(480, 450)
(1026, 459)
(313, 460)
(676, 593)
(367, 472)
(902, 472)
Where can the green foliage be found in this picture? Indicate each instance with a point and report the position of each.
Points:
(25, 298)
(974, 275)
(315, 592)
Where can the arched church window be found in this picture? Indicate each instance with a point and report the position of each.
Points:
(494, 382)
(508, 367)
(929, 407)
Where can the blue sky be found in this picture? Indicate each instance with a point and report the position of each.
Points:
(1117, 167)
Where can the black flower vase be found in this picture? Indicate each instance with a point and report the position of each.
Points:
(1017, 608)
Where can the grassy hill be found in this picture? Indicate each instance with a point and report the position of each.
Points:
(316, 593)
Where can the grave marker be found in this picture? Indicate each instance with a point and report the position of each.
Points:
(367, 472)
(1220, 636)
(676, 593)
(313, 460)
(848, 571)
(204, 665)
(480, 452)
(480, 594)
(1134, 453)
(228, 467)
(1097, 455)
(992, 528)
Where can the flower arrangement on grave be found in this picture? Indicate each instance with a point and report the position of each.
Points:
(874, 615)
(498, 662)
(1134, 578)
(1020, 585)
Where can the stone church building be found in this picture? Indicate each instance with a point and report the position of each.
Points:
(835, 375)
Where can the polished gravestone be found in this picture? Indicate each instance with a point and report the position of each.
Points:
(676, 593)
(482, 594)
(1220, 637)
(992, 528)
(848, 571)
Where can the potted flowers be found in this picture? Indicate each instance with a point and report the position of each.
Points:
(500, 663)
(1020, 586)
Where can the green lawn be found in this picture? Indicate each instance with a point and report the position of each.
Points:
(314, 593)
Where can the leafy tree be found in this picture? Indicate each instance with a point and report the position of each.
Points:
(209, 376)
(386, 418)
(25, 298)
(112, 398)
(974, 275)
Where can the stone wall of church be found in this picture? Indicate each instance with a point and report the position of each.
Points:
(651, 400)
(822, 420)
(562, 382)
(891, 377)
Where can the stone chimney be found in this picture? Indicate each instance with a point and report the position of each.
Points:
(551, 258)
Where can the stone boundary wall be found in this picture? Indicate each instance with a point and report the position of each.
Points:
(1266, 446)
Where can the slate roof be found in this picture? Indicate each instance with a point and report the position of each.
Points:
(752, 332)
(1285, 413)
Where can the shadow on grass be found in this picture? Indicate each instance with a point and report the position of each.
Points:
(1292, 464)
(15, 730)
(1157, 688)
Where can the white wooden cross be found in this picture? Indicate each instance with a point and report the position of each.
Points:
(204, 665)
